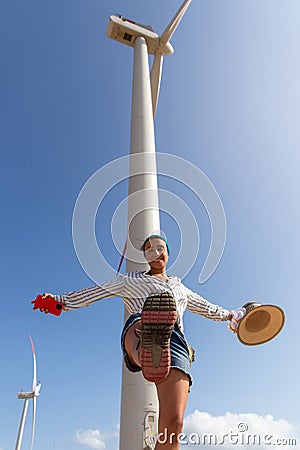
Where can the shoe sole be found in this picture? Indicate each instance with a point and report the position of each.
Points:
(159, 316)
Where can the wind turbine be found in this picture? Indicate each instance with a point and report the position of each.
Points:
(26, 396)
(139, 403)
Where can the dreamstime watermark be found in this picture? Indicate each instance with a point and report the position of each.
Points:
(239, 437)
(107, 177)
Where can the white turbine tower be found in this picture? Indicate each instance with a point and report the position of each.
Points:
(26, 396)
(139, 404)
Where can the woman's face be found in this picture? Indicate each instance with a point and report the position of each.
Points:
(156, 253)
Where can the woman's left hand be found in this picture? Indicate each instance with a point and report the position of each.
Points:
(234, 317)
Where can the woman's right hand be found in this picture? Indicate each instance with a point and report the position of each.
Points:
(44, 310)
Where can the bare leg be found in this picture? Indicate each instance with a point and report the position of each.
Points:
(132, 343)
(172, 395)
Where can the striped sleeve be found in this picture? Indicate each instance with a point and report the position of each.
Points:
(85, 297)
(198, 305)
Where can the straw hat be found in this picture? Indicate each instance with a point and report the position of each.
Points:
(260, 324)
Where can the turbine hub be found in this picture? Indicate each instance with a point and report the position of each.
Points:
(164, 48)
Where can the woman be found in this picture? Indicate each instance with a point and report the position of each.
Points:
(152, 338)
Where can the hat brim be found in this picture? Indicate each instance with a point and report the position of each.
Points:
(260, 325)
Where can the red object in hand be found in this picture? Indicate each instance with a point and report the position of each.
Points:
(48, 303)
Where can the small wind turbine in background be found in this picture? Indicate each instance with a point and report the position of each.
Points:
(26, 396)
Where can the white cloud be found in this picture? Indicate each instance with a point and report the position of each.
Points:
(94, 438)
(243, 431)
(231, 431)
(91, 438)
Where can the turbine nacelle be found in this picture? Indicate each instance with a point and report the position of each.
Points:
(35, 393)
(126, 31)
(26, 395)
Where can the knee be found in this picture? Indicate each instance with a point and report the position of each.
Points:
(173, 424)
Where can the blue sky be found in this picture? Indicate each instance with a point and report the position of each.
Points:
(229, 104)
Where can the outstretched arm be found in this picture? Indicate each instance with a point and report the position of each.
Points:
(85, 297)
(198, 305)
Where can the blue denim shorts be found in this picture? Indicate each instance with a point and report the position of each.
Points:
(180, 354)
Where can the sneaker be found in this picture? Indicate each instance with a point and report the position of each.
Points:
(159, 316)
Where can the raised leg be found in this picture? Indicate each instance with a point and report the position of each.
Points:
(158, 319)
(132, 343)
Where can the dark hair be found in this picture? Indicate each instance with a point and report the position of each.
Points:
(155, 236)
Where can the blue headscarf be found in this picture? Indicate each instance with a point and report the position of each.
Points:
(153, 236)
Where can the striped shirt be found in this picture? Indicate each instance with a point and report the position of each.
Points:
(135, 287)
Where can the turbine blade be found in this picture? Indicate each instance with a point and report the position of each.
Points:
(34, 365)
(169, 31)
(155, 79)
(33, 421)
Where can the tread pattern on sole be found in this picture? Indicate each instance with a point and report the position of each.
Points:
(159, 316)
